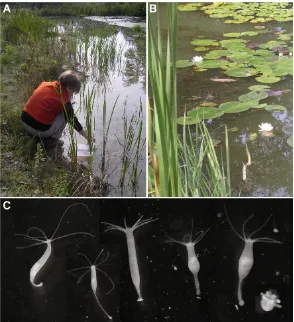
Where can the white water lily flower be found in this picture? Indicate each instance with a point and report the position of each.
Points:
(265, 127)
(197, 59)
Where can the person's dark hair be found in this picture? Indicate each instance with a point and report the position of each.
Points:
(71, 79)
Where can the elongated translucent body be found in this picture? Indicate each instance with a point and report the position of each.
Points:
(133, 262)
(40, 264)
(246, 259)
(193, 265)
(48, 241)
(245, 264)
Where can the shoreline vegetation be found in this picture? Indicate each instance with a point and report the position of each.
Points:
(34, 50)
(87, 9)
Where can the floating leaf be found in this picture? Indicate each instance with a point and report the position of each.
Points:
(253, 136)
(256, 105)
(241, 72)
(249, 33)
(234, 107)
(253, 96)
(205, 113)
(259, 88)
(290, 141)
(212, 63)
(198, 69)
(201, 49)
(275, 107)
(259, 27)
(187, 120)
(268, 79)
(232, 34)
(216, 54)
(184, 63)
(205, 42)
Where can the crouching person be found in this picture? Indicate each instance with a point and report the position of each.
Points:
(49, 109)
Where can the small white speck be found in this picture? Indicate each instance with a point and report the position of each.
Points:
(278, 273)
(169, 308)
(275, 230)
(175, 268)
(236, 306)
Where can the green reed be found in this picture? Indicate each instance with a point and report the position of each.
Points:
(133, 149)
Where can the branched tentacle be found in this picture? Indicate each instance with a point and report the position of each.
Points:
(174, 241)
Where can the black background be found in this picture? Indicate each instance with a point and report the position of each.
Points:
(167, 285)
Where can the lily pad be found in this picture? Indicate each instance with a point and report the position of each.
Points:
(288, 129)
(201, 49)
(212, 63)
(253, 136)
(187, 120)
(253, 96)
(268, 79)
(241, 72)
(290, 141)
(275, 107)
(259, 88)
(206, 113)
(205, 42)
(234, 107)
(214, 54)
(184, 63)
(233, 34)
(249, 33)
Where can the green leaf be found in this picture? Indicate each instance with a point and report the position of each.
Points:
(187, 120)
(275, 107)
(205, 113)
(201, 49)
(253, 136)
(212, 63)
(259, 88)
(205, 42)
(249, 33)
(184, 63)
(232, 34)
(241, 72)
(268, 79)
(234, 107)
(253, 96)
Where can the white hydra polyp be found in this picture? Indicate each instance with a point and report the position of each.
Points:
(246, 260)
(133, 262)
(48, 241)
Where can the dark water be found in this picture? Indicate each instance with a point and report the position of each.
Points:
(166, 283)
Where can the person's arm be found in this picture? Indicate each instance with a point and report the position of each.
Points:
(69, 115)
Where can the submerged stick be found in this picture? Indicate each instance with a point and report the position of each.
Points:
(246, 259)
(44, 240)
(244, 176)
(133, 261)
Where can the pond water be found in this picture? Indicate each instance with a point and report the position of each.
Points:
(112, 62)
(271, 171)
